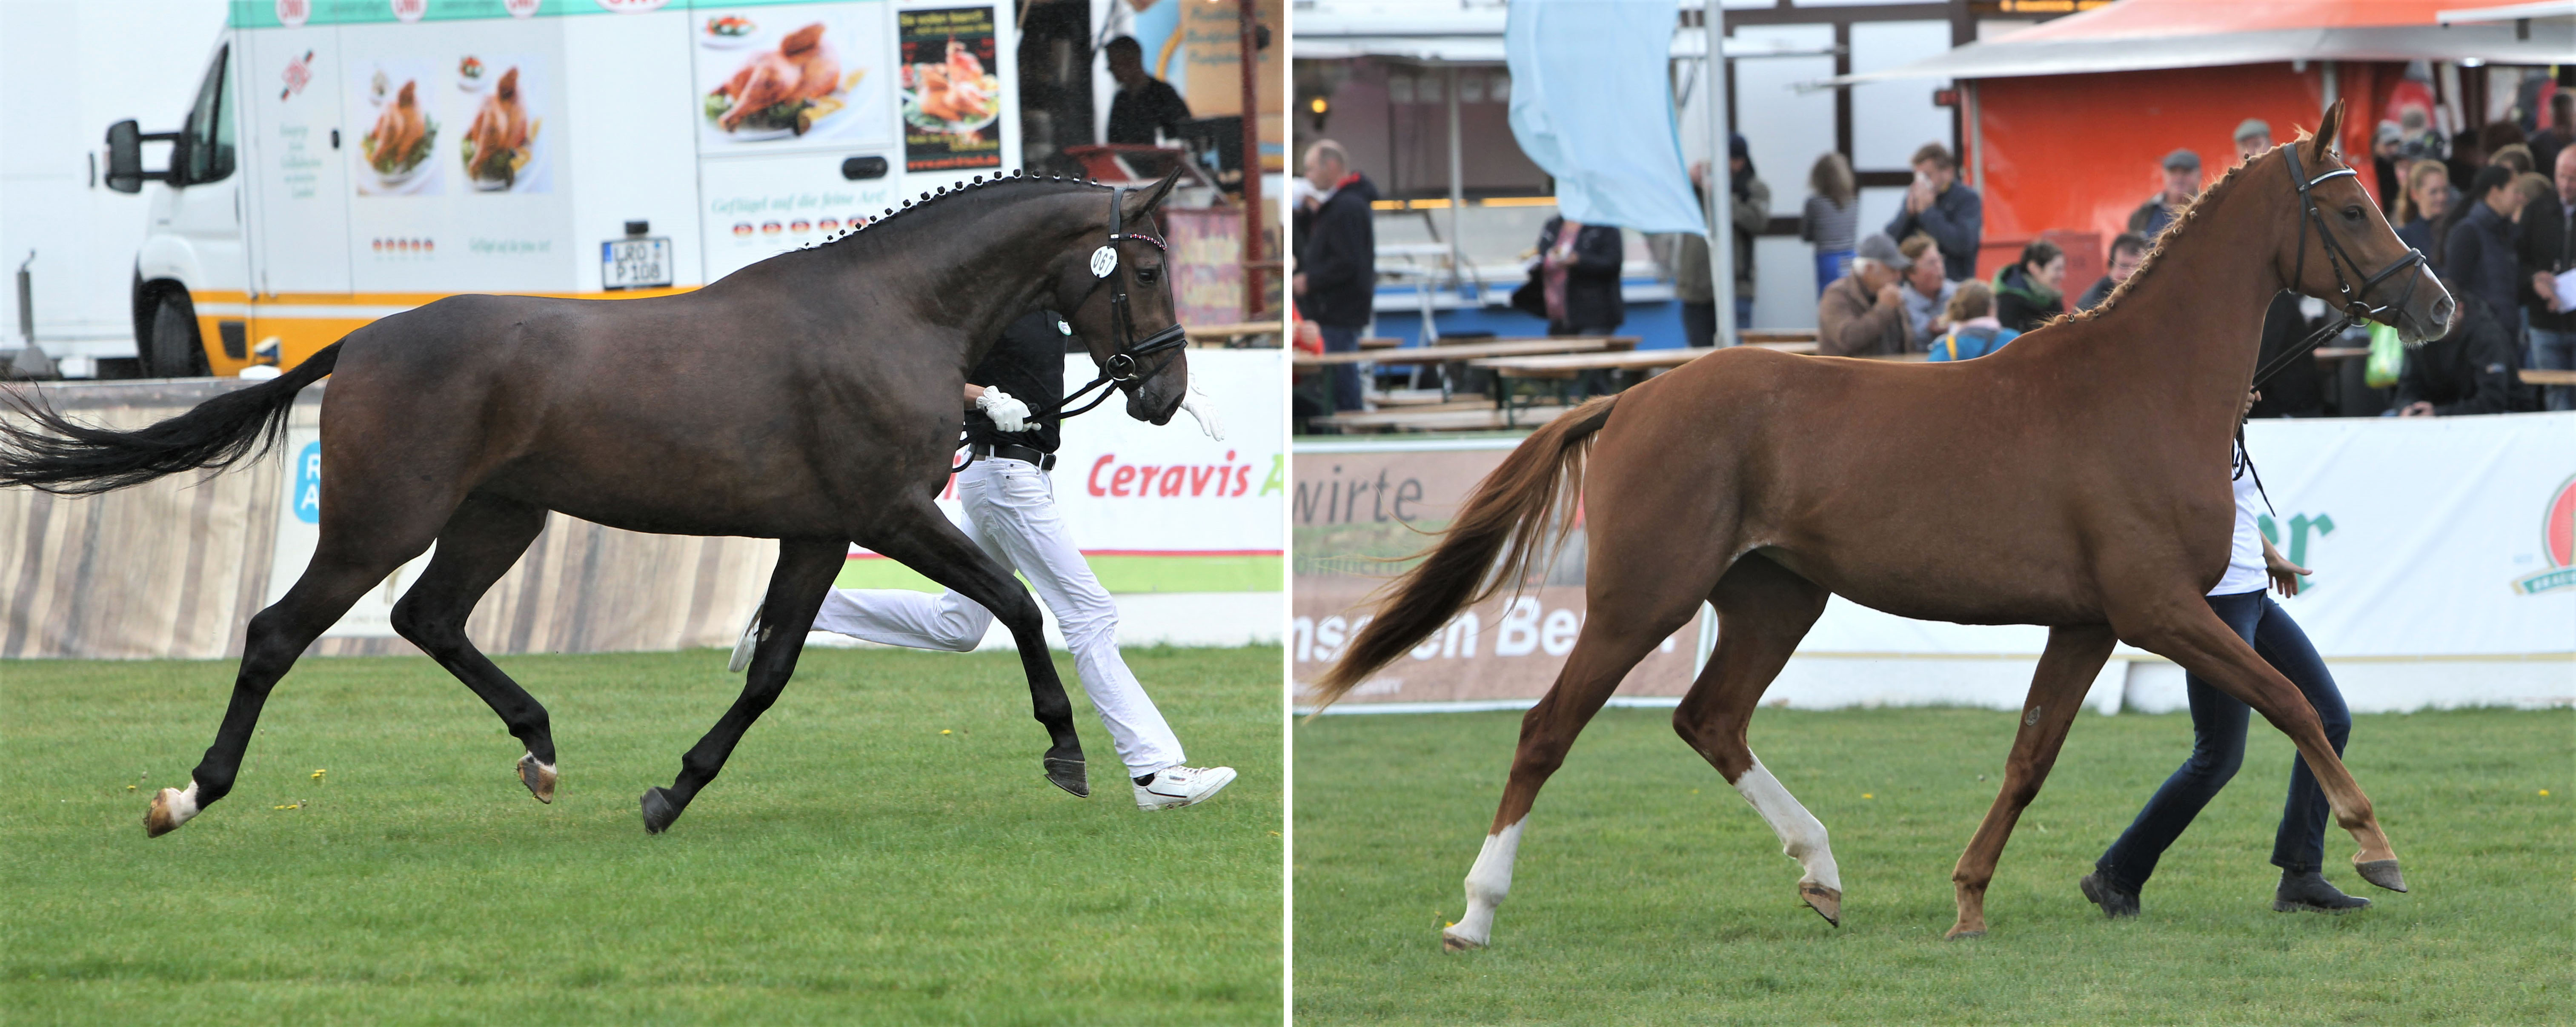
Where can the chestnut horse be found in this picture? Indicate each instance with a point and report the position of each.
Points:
(2081, 482)
(813, 398)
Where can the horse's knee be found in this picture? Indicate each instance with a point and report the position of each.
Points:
(413, 620)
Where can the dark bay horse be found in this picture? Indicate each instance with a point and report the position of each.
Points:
(2078, 479)
(814, 398)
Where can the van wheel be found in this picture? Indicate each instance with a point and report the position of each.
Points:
(174, 350)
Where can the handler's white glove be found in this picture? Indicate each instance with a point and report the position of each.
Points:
(1200, 408)
(1008, 414)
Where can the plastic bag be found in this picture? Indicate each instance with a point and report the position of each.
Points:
(2387, 357)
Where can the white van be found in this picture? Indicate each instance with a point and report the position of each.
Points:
(348, 160)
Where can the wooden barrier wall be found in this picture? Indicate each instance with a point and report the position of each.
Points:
(176, 567)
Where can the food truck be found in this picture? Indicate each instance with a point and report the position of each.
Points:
(345, 160)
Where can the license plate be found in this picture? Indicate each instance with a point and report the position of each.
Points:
(635, 263)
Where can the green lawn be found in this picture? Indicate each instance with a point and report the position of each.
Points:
(1647, 891)
(881, 849)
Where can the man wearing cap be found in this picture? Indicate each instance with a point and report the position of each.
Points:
(1863, 313)
(2182, 182)
(2253, 139)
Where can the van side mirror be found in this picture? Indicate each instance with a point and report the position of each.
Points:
(125, 141)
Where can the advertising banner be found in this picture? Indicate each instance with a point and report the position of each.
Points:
(774, 78)
(2435, 544)
(951, 89)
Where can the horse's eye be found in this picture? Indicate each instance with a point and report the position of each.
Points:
(2352, 214)
(1147, 274)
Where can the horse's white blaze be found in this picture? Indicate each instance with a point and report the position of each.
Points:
(1802, 836)
(1487, 882)
(183, 805)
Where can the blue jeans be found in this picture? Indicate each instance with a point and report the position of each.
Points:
(2218, 747)
(1830, 265)
(1346, 377)
(2555, 351)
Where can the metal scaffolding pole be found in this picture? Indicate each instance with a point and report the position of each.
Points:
(1721, 220)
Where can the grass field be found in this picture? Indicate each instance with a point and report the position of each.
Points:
(1648, 892)
(881, 849)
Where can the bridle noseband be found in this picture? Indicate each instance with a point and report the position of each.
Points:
(2354, 307)
(1121, 367)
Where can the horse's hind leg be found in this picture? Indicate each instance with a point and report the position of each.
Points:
(2074, 657)
(2197, 639)
(345, 565)
(805, 571)
(482, 540)
(1762, 610)
(928, 543)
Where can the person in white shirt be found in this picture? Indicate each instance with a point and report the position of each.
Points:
(2218, 723)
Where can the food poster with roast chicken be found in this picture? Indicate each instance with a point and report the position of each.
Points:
(951, 90)
(778, 77)
(454, 128)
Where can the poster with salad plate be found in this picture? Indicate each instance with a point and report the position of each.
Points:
(783, 77)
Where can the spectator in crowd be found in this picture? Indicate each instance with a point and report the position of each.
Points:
(2516, 156)
(1693, 286)
(2468, 371)
(1831, 220)
(1973, 330)
(1863, 313)
(2387, 146)
(1144, 104)
(1927, 293)
(1749, 203)
(2299, 389)
(2479, 257)
(2253, 139)
(2428, 199)
(1938, 206)
(2421, 142)
(2549, 249)
(2182, 182)
(2128, 250)
(1336, 282)
(2027, 291)
(2546, 143)
(1574, 282)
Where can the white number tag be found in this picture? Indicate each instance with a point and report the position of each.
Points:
(1103, 261)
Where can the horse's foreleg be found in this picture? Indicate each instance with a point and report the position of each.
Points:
(1611, 642)
(805, 571)
(1763, 610)
(332, 583)
(2204, 645)
(482, 540)
(2074, 657)
(942, 553)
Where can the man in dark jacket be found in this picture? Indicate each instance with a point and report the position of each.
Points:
(1144, 104)
(2549, 250)
(2479, 256)
(2469, 371)
(2182, 182)
(1938, 206)
(1336, 283)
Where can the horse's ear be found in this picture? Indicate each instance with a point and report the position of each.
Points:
(2328, 132)
(1146, 201)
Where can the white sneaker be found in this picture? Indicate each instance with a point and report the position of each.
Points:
(1175, 787)
(742, 649)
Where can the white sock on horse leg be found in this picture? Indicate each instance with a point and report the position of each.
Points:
(1487, 882)
(1802, 836)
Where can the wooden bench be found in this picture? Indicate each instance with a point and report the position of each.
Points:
(2546, 376)
(1477, 418)
(1232, 334)
(1462, 352)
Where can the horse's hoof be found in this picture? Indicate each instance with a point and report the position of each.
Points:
(539, 777)
(658, 811)
(1964, 933)
(2381, 872)
(1827, 902)
(1068, 775)
(1453, 943)
(170, 808)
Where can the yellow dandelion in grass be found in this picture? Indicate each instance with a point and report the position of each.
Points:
(318, 772)
(944, 731)
(2544, 791)
(1867, 795)
(131, 788)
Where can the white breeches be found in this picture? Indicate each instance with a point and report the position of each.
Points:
(1011, 515)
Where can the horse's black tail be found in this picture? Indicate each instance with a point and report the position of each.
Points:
(62, 456)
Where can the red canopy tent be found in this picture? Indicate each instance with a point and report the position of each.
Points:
(2067, 122)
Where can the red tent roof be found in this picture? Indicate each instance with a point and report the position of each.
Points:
(2150, 18)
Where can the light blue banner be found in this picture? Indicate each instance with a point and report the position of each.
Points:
(1592, 105)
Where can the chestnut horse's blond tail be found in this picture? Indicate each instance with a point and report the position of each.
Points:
(1509, 515)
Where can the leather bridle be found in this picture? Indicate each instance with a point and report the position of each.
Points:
(2354, 308)
(1121, 366)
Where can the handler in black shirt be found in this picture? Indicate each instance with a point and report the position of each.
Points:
(1011, 514)
(1144, 103)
